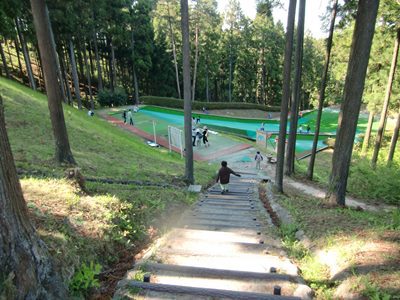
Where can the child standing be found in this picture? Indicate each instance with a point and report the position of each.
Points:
(224, 174)
(258, 158)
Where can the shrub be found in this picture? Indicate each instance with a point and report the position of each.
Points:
(84, 279)
(198, 105)
(108, 98)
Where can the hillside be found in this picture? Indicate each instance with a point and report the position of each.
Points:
(109, 223)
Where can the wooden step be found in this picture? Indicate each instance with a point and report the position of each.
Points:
(196, 292)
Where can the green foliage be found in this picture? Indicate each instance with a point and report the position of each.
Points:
(372, 291)
(197, 105)
(84, 279)
(395, 219)
(110, 98)
(294, 248)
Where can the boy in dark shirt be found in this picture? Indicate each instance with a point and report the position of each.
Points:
(224, 174)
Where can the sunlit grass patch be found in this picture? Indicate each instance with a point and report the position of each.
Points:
(346, 246)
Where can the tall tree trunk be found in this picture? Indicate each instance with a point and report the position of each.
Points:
(113, 67)
(53, 43)
(310, 170)
(291, 147)
(135, 81)
(75, 74)
(367, 136)
(39, 68)
(382, 121)
(26, 54)
(186, 92)
(3, 58)
(111, 63)
(230, 71)
(63, 150)
(79, 50)
(89, 80)
(64, 73)
(285, 97)
(24, 258)
(178, 86)
(90, 51)
(350, 107)
(393, 142)
(196, 60)
(263, 77)
(17, 50)
(207, 88)
(98, 64)
(9, 54)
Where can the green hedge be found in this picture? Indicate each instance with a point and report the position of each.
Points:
(197, 105)
(179, 112)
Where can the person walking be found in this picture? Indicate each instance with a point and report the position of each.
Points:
(194, 134)
(224, 175)
(258, 158)
(124, 116)
(205, 137)
(130, 117)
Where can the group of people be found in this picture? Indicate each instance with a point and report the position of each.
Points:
(302, 129)
(127, 115)
(200, 135)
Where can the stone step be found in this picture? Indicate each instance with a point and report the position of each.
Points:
(229, 193)
(216, 273)
(220, 228)
(219, 196)
(240, 205)
(224, 218)
(228, 261)
(196, 248)
(215, 236)
(187, 292)
(226, 201)
(221, 223)
(226, 206)
(220, 214)
(217, 279)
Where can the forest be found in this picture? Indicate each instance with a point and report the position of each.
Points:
(136, 48)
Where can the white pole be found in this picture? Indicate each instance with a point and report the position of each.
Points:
(154, 132)
(169, 138)
(181, 143)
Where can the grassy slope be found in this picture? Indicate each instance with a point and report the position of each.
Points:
(102, 225)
